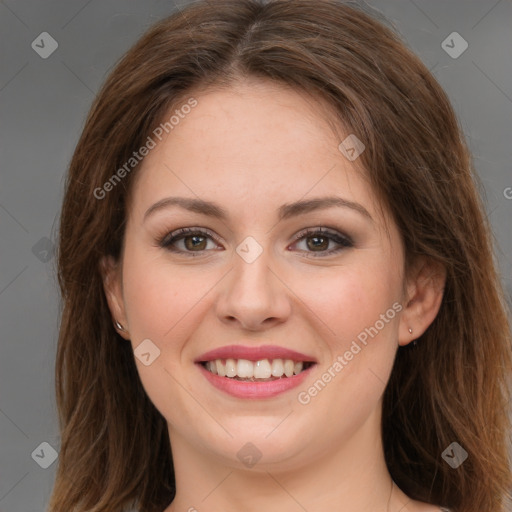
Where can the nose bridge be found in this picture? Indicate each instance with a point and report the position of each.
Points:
(253, 293)
(253, 261)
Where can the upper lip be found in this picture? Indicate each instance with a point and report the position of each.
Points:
(252, 353)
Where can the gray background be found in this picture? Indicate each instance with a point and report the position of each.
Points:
(43, 103)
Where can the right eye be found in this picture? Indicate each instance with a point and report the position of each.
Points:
(194, 241)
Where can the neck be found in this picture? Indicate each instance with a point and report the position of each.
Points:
(353, 478)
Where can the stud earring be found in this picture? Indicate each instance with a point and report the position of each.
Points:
(414, 341)
(119, 326)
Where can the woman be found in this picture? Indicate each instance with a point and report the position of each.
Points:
(277, 275)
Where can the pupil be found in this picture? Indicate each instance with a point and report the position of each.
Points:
(321, 245)
(195, 242)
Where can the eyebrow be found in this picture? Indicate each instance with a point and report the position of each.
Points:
(286, 211)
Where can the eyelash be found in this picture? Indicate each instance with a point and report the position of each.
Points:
(170, 238)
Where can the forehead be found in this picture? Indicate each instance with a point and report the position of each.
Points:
(248, 146)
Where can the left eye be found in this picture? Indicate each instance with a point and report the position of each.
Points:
(319, 239)
(194, 241)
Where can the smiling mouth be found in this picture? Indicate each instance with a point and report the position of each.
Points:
(263, 370)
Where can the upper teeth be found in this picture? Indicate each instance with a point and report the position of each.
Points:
(262, 369)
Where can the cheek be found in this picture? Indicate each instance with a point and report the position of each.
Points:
(353, 298)
(162, 303)
(361, 343)
(160, 297)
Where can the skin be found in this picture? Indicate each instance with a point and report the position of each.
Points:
(252, 148)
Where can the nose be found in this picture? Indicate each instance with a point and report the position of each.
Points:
(254, 296)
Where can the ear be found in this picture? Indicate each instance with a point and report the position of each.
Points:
(425, 287)
(112, 284)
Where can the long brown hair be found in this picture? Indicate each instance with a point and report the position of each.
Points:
(453, 386)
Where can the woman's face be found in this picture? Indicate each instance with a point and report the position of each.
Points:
(245, 281)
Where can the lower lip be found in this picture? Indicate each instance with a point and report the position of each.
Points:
(255, 390)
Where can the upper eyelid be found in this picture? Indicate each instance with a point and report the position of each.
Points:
(189, 231)
(181, 233)
(323, 230)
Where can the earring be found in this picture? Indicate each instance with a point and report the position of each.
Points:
(414, 341)
(119, 326)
